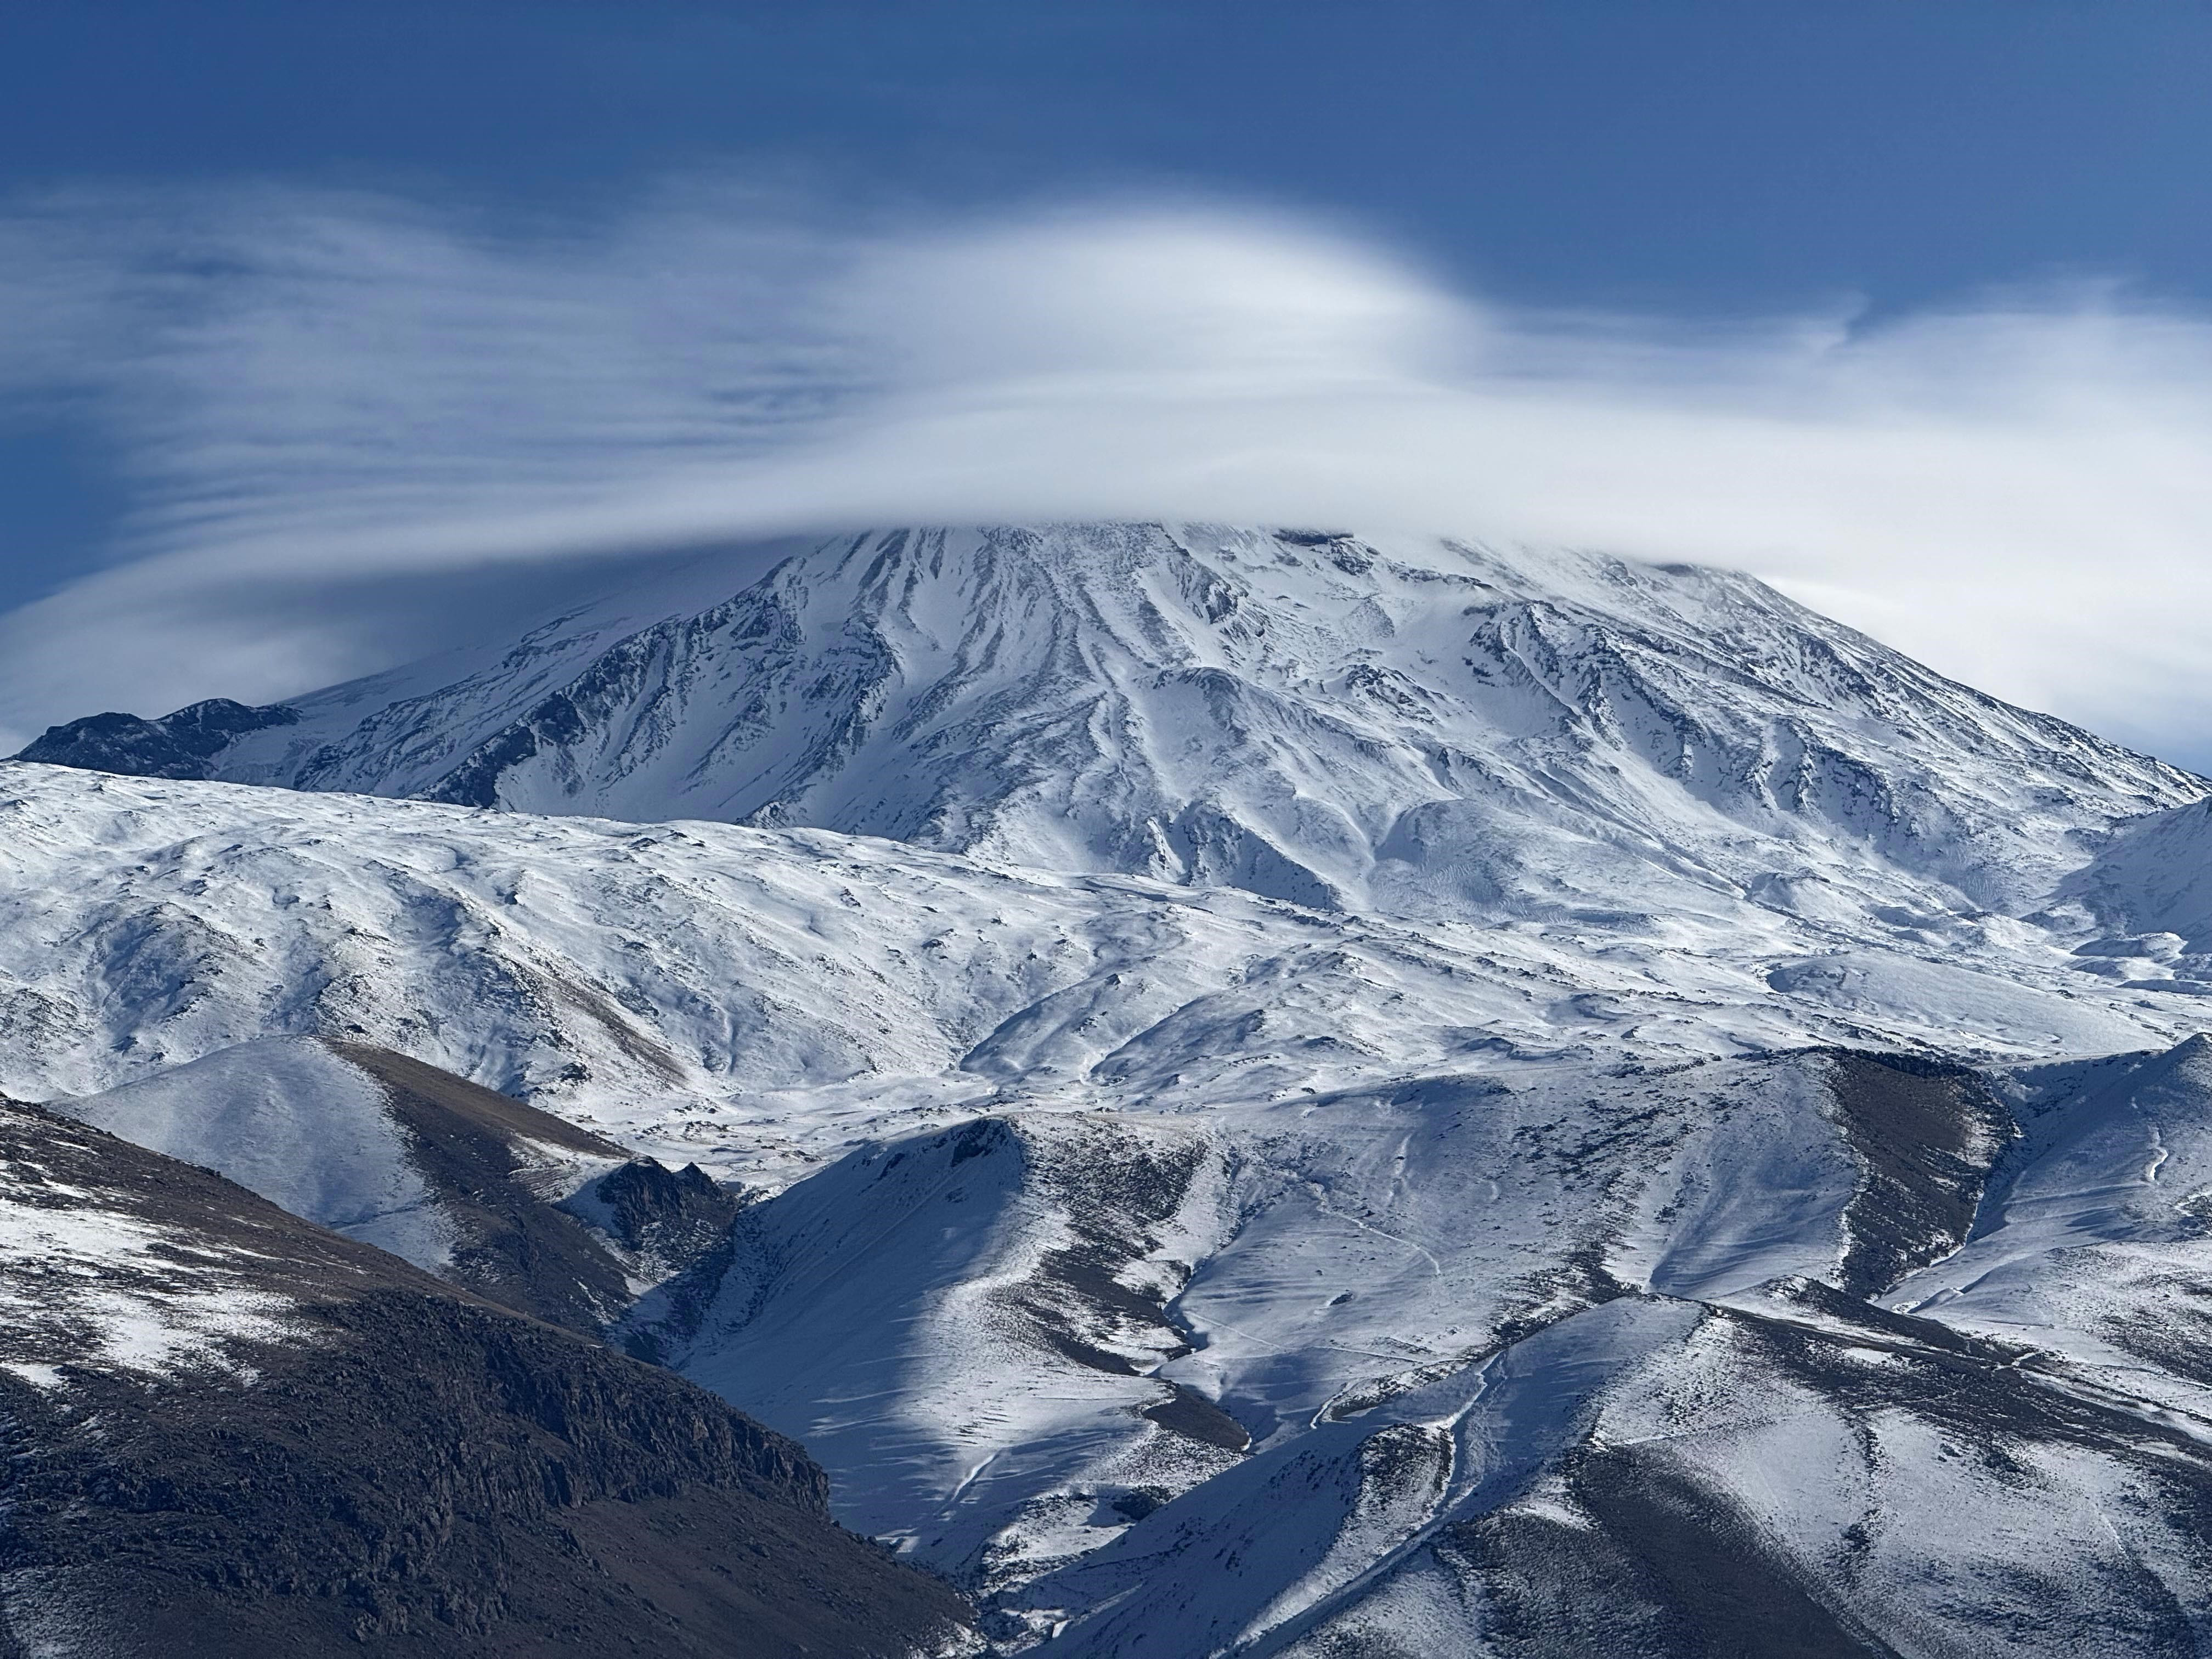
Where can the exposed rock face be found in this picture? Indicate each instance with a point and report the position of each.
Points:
(1926, 1134)
(185, 744)
(233, 1432)
(667, 1218)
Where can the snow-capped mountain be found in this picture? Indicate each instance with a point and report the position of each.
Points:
(1392, 724)
(1295, 1093)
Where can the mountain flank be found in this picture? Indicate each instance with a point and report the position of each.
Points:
(1384, 724)
(232, 1431)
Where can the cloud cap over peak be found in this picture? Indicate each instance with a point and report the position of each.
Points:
(315, 398)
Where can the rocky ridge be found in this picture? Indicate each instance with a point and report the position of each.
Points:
(233, 1432)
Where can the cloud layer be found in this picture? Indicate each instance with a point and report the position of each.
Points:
(329, 408)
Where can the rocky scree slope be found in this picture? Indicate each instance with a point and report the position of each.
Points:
(231, 1432)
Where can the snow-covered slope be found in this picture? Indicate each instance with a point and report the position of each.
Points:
(2096, 1243)
(1653, 1479)
(1387, 724)
(289, 1119)
(1397, 1363)
(2150, 892)
(517, 1205)
(761, 1001)
(1005, 1285)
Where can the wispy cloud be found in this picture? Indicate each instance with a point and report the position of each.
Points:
(314, 395)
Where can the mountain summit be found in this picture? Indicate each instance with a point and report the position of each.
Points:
(1404, 724)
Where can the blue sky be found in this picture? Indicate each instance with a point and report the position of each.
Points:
(1681, 155)
(1688, 183)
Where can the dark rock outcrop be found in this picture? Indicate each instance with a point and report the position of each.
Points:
(179, 745)
(674, 1217)
(1925, 1134)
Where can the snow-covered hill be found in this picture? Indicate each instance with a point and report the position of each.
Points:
(1390, 724)
(762, 1000)
(514, 1203)
(1106, 1205)
(2095, 1243)
(1423, 1357)
(289, 1119)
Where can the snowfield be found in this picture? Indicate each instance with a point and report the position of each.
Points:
(1302, 1094)
(762, 1000)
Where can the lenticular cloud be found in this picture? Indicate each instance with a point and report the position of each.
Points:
(313, 396)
